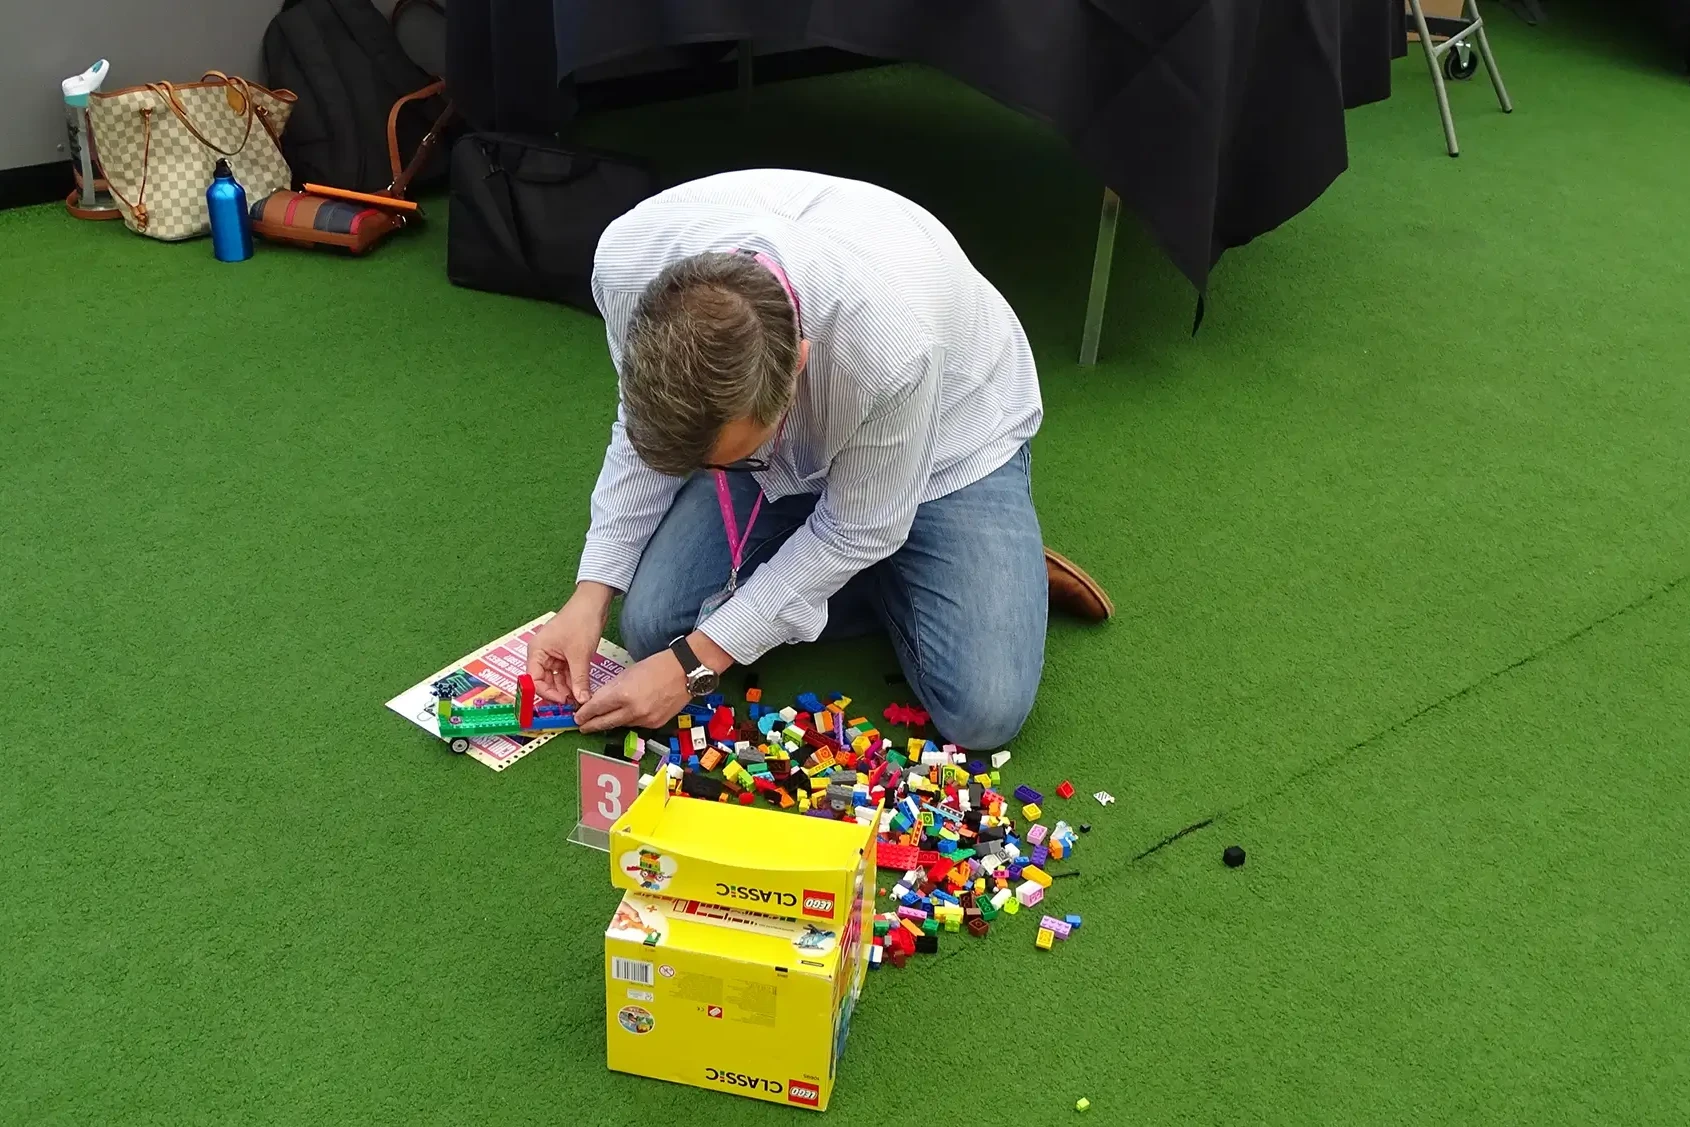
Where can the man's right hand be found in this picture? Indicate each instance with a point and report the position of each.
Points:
(561, 654)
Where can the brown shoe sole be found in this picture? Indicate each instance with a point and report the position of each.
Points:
(1074, 591)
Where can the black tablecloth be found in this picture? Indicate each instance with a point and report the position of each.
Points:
(1215, 120)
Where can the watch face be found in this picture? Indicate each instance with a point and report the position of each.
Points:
(701, 682)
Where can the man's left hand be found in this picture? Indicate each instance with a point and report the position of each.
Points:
(648, 694)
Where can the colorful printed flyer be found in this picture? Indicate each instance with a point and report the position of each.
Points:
(488, 676)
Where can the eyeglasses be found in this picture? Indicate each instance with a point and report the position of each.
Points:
(750, 465)
(743, 465)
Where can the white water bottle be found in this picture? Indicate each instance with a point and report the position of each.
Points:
(76, 90)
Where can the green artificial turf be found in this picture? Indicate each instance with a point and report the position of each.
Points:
(1399, 543)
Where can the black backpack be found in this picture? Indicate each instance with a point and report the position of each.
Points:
(527, 213)
(344, 60)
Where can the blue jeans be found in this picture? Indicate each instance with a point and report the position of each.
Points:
(964, 600)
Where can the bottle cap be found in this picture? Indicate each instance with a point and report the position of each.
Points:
(222, 171)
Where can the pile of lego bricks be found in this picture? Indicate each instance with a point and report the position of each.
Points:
(964, 853)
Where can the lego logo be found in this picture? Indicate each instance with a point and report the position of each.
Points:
(818, 904)
(798, 1092)
(713, 1011)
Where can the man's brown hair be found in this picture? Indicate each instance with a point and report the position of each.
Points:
(714, 338)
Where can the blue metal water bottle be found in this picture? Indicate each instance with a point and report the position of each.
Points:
(231, 226)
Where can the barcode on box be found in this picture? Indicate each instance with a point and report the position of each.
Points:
(631, 970)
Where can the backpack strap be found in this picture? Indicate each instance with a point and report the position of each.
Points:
(402, 177)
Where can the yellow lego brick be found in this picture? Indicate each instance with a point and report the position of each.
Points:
(1045, 939)
(1037, 875)
(979, 886)
(915, 746)
(983, 780)
(861, 744)
(840, 705)
(683, 721)
(1031, 811)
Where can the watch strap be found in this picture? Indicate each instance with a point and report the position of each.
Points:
(689, 660)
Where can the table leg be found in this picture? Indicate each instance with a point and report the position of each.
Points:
(747, 57)
(1100, 264)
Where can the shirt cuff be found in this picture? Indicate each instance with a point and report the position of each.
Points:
(607, 562)
(741, 627)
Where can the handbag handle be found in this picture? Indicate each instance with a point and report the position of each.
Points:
(168, 92)
(400, 181)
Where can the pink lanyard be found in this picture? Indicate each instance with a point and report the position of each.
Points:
(730, 525)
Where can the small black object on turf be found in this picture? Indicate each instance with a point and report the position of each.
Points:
(753, 680)
(1085, 827)
(896, 677)
(612, 748)
(1234, 856)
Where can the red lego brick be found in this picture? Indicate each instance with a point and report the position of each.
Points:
(907, 715)
(747, 798)
(721, 722)
(940, 870)
(524, 700)
(928, 857)
(900, 857)
(1065, 789)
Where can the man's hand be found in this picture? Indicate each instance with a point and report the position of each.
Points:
(561, 654)
(648, 694)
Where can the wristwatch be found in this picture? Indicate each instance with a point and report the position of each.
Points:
(701, 679)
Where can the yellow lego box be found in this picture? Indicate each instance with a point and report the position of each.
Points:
(728, 999)
(700, 988)
(761, 860)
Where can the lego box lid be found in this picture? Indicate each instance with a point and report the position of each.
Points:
(663, 924)
(739, 856)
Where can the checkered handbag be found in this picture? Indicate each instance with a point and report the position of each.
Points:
(158, 145)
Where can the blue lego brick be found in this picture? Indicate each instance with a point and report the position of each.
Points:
(1025, 794)
(1072, 921)
(692, 762)
(1041, 854)
(1015, 868)
(947, 846)
(675, 758)
(909, 899)
(674, 745)
(715, 700)
(809, 702)
(977, 767)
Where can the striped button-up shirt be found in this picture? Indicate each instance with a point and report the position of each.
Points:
(919, 382)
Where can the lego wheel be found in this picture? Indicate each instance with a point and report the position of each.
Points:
(459, 745)
(1461, 64)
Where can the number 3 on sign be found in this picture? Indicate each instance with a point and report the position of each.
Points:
(607, 787)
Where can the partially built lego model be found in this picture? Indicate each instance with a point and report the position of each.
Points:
(528, 715)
